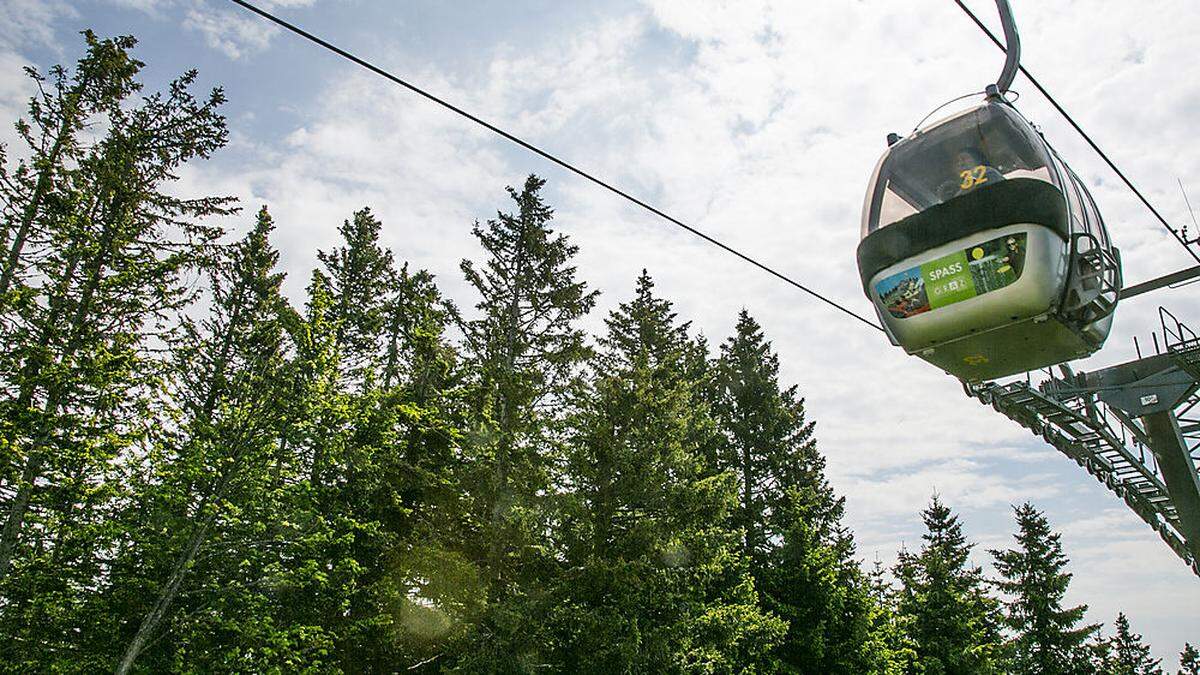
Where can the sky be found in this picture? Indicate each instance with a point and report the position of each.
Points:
(758, 122)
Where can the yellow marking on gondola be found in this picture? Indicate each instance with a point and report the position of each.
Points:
(975, 360)
(972, 177)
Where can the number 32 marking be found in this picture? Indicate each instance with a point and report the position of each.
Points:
(973, 177)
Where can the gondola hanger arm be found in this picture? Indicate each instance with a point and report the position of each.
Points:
(1012, 40)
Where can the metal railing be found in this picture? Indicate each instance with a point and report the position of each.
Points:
(1109, 444)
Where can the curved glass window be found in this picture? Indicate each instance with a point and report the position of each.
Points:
(1093, 214)
(1079, 221)
(986, 144)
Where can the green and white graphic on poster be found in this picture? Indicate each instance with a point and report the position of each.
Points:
(947, 280)
(953, 278)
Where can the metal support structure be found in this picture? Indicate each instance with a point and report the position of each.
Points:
(1179, 472)
(1012, 48)
(1135, 427)
(1155, 284)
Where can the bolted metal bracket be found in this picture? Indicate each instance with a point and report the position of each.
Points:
(1143, 387)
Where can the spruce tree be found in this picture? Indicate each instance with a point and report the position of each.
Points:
(1189, 660)
(389, 479)
(525, 349)
(424, 375)
(362, 277)
(338, 432)
(1047, 638)
(656, 581)
(953, 620)
(100, 254)
(401, 493)
(1125, 654)
(769, 444)
(216, 474)
(802, 558)
(890, 649)
(430, 589)
(817, 587)
(30, 192)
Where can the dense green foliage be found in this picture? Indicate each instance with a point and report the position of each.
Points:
(1124, 653)
(197, 475)
(1189, 660)
(1047, 637)
(954, 622)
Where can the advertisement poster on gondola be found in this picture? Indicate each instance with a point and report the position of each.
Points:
(962, 275)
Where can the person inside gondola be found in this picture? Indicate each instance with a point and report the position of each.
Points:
(971, 171)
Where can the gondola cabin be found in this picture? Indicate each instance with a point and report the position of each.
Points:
(982, 251)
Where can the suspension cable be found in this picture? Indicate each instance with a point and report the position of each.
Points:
(546, 155)
(1061, 111)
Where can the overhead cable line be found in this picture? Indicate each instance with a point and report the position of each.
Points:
(546, 155)
(1083, 133)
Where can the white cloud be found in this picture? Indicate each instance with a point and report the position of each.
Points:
(15, 90)
(232, 30)
(25, 23)
(764, 139)
(233, 33)
(148, 6)
(759, 123)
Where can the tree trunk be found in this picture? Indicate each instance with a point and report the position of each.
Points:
(166, 597)
(35, 459)
(604, 508)
(16, 514)
(507, 443)
(216, 384)
(751, 518)
(391, 369)
(70, 111)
